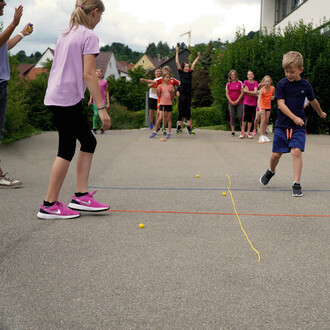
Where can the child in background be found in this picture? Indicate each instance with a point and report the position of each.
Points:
(153, 99)
(249, 103)
(289, 134)
(184, 105)
(265, 98)
(166, 94)
(73, 68)
(234, 94)
(105, 97)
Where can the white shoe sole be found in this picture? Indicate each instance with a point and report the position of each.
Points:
(79, 207)
(45, 216)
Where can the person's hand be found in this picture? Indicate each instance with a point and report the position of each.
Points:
(298, 121)
(142, 79)
(107, 105)
(178, 94)
(261, 111)
(105, 118)
(89, 103)
(199, 54)
(323, 115)
(176, 48)
(27, 30)
(18, 15)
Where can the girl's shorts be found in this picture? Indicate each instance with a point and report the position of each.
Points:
(287, 138)
(167, 108)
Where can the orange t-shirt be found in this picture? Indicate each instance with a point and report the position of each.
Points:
(165, 94)
(266, 98)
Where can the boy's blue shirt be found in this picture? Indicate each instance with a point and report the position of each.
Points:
(294, 94)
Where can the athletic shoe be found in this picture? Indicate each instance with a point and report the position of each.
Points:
(102, 131)
(94, 131)
(8, 182)
(87, 203)
(266, 139)
(232, 133)
(261, 139)
(249, 136)
(296, 190)
(192, 132)
(164, 131)
(266, 177)
(179, 131)
(254, 133)
(151, 125)
(168, 136)
(56, 211)
(158, 129)
(242, 136)
(153, 134)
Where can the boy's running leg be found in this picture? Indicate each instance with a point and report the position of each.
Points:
(297, 169)
(274, 160)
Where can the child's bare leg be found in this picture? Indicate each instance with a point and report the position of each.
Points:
(84, 162)
(57, 175)
(243, 126)
(274, 160)
(169, 121)
(151, 116)
(296, 154)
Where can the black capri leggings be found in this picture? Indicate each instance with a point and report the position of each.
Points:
(72, 125)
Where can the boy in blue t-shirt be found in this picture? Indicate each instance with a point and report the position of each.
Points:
(290, 130)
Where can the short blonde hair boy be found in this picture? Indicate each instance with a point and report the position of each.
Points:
(292, 59)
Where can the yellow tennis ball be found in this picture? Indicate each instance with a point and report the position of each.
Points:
(224, 194)
(141, 225)
(197, 176)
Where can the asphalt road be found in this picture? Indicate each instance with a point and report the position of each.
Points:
(191, 266)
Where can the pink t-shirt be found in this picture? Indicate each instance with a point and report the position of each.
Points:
(165, 94)
(103, 84)
(66, 85)
(234, 89)
(248, 99)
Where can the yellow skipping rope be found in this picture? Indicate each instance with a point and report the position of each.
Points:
(240, 223)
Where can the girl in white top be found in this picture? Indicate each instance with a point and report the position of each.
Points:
(73, 69)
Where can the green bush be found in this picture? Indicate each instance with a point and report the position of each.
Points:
(207, 116)
(121, 118)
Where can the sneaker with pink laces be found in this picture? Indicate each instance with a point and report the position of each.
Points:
(87, 203)
(56, 211)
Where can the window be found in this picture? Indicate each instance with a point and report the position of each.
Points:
(284, 8)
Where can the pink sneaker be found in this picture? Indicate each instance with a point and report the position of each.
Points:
(56, 211)
(87, 203)
(254, 133)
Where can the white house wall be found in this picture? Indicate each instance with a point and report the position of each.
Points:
(111, 69)
(312, 11)
(46, 56)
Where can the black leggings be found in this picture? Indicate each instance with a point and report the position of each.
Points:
(72, 125)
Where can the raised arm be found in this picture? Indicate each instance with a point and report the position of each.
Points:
(5, 35)
(177, 58)
(27, 30)
(196, 60)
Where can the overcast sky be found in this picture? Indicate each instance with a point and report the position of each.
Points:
(137, 23)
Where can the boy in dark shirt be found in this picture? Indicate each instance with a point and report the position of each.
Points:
(184, 105)
(290, 130)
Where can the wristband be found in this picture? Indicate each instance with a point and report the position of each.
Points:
(21, 34)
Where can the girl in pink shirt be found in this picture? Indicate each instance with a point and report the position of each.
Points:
(234, 94)
(105, 98)
(165, 92)
(73, 68)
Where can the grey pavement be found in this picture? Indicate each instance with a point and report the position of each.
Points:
(191, 267)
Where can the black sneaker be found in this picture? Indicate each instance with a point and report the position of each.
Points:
(102, 131)
(296, 190)
(266, 177)
(94, 131)
(232, 133)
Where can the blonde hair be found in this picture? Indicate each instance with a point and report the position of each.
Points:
(167, 68)
(266, 77)
(166, 74)
(292, 59)
(82, 10)
(230, 72)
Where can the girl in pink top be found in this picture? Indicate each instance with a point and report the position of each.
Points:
(105, 98)
(250, 103)
(234, 94)
(165, 92)
(266, 95)
(73, 68)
